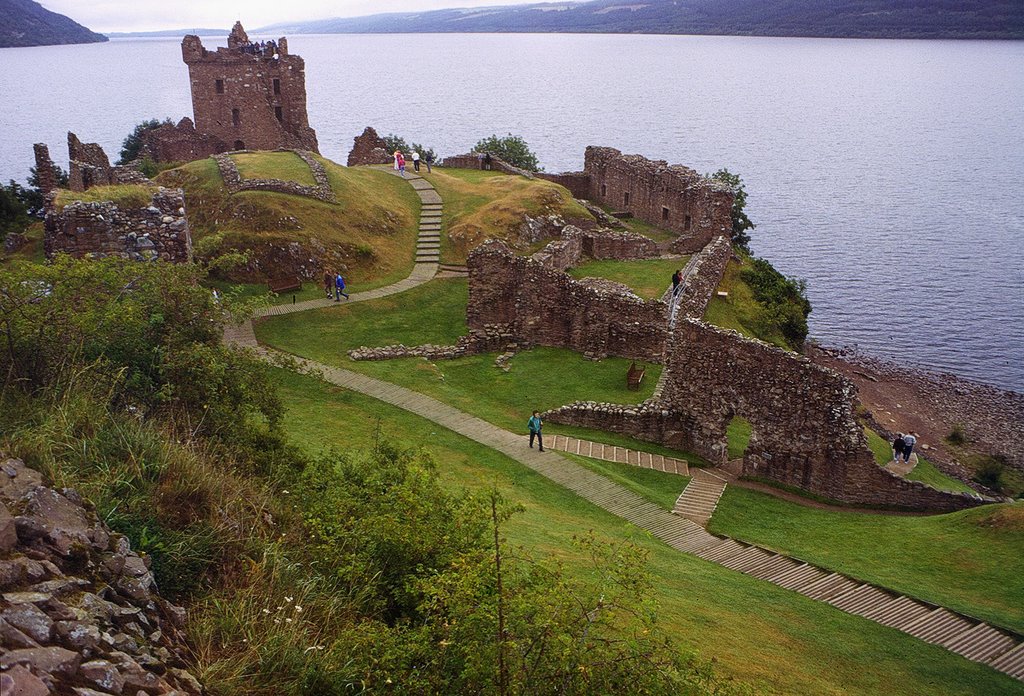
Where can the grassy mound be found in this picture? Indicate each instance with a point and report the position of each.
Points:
(123, 195)
(370, 232)
(479, 204)
(286, 166)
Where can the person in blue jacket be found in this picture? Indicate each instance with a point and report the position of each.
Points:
(535, 424)
(339, 288)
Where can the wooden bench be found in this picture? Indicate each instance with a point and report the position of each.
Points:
(281, 285)
(634, 377)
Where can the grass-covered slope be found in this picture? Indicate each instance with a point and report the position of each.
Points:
(370, 231)
(772, 639)
(648, 278)
(479, 205)
(741, 311)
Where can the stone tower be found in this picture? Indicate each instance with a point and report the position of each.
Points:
(249, 96)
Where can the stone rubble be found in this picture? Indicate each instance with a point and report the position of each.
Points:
(79, 611)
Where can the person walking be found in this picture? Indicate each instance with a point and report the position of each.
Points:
(428, 158)
(339, 288)
(415, 161)
(396, 156)
(535, 424)
(898, 446)
(328, 283)
(676, 279)
(401, 164)
(908, 446)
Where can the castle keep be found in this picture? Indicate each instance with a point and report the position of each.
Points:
(249, 96)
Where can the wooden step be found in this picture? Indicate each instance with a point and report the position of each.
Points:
(828, 586)
(864, 598)
(719, 553)
(900, 612)
(750, 560)
(772, 566)
(938, 626)
(1010, 662)
(981, 643)
(801, 576)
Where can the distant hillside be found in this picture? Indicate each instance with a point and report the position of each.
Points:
(891, 19)
(166, 33)
(27, 23)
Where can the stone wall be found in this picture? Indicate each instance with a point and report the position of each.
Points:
(95, 230)
(89, 166)
(45, 169)
(80, 612)
(180, 142)
(476, 160)
(234, 182)
(805, 433)
(702, 280)
(369, 148)
(543, 306)
(671, 197)
(248, 98)
(578, 183)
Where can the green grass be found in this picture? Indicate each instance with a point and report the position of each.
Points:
(970, 561)
(660, 488)
(122, 195)
(286, 166)
(539, 379)
(925, 471)
(773, 639)
(648, 278)
(740, 311)
(738, 435)
(32, 252)
(371, 230)
(482, 204)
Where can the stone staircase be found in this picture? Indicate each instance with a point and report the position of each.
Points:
(428, 244)
(700, 497)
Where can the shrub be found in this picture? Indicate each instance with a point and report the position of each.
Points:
(512, 149)
(395, 142)
(990, 473)
(957, 436)
(131, 148)
(740, 222)
(784, 300)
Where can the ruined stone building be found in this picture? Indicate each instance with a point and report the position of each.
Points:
(246, 96)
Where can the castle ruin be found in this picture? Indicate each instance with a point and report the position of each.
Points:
(246, 96)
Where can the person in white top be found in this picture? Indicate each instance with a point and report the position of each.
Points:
(908, 446)
(415, 160)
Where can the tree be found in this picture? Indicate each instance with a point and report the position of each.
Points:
(131, 148)
(32, 196)
(740, 222)
(512, 149)
(13, 212)
(394, 142)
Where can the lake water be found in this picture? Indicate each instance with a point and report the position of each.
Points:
(887, 173)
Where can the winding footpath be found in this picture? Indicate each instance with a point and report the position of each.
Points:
(681, 528)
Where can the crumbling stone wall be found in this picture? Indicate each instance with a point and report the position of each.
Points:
(90, 167)
(45, 169)
(475, 160)
(369, 148)
(805, 433)
(95, 230)
(79, 611)
(702, 278)
(544, 306)
(234, 182)
(248, 99)
(578, 183)
(672, 197)
(180, 142)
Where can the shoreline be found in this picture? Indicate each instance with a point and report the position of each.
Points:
(908, 398)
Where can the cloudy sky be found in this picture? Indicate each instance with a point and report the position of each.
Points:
(147, 15)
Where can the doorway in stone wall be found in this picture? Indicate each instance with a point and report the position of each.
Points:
(738, 434)
(239, 145)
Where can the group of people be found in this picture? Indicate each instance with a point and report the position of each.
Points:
(400, 161)
(334, 286)
(268, 48)
(903, 446)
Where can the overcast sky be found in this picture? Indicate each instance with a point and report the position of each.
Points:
(151, 15)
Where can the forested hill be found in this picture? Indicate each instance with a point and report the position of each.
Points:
(27, 23)
(896, 19)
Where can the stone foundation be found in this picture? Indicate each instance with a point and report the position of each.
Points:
(180, 143)
(96, 230)
(476, 160)
(234, 182)
(90, 167)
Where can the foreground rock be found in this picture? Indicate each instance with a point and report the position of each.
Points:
(79, 611)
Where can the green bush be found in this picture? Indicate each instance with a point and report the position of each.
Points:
(957, 436)
(740, 222)
(784, 300)
(512, 149)
(990, 473)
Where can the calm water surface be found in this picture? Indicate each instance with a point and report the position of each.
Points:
(886, 173)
